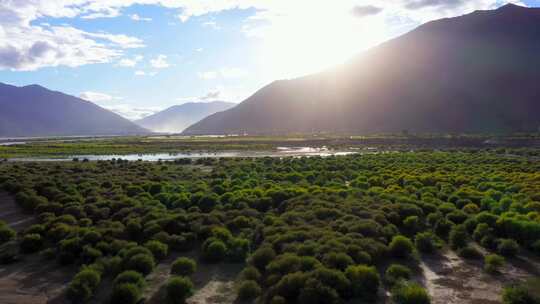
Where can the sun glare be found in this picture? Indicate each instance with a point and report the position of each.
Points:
(291, 48)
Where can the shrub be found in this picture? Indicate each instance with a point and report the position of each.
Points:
(278, 300)
(458, 237)
(126, 293)
(184, 267)
(469, 252)
(250, 273)
(396, 272)
(132, 277)
(31, 243)
(262, 257)
(493, 262)
(364, 280)
(83, 285)
(536, 247)
(410, 293)
(6, 234)
(142, 263)
(179, 289)
(158, 249)
(425, 242)
(316, 292)
(507, 247)
(518, 295)
(401, 247)
(248, 290)
(337, 260)
(215, 251)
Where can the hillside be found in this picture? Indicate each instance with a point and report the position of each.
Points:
(178, 118)
(473, 73)
(36, 111)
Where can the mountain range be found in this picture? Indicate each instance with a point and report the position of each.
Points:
(177, 118)
(36, 111)
(474, 73)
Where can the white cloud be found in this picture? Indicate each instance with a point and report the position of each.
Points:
(27, 46)
(211, 24)
(143, 73)
(226, 73)
(96, 96)
(136, 17)
(132, 112)
(129, 62)
(160, 62)
(220, 93)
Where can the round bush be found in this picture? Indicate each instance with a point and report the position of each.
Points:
(31, 243)
(469, 252)
(6, 234)
(248, 290)
(250, 273)
(126, 293)
(262, 257)
(142, 263)
(83, 285)
(364, 280)
(401, 247)
(518, 295)
(425, 242)
(215, 251)
(184, 267)
(132, 277)
(508, 248)
(179, 289)
(396, 272)
(493, 262)
(158, 249)
(410, 293)
(458, 237)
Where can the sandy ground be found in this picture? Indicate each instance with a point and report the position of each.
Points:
(453, 280)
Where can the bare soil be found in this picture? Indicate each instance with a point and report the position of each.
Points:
(451, 279)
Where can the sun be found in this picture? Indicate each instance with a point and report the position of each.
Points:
(291, 48)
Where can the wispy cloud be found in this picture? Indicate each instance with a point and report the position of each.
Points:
(160, 62)
(136, 17)
(226, 73)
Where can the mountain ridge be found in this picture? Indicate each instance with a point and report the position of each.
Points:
(34, 110)
(469, 74)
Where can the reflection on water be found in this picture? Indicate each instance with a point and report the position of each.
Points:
(279, 152)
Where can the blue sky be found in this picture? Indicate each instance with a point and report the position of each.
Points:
(136, 57)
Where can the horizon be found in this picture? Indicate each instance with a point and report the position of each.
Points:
(122, 57)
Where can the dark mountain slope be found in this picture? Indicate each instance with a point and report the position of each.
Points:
(177, 118)
(474, 73)
(36, 111)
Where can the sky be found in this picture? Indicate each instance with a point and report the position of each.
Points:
(137, 57)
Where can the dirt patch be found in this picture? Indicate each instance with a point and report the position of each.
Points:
(14, 215)
(453, 280)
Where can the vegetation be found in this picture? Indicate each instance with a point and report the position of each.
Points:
(306, 230)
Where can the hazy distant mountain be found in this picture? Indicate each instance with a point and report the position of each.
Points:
(177, 118)
(35, 111)
(475, 73)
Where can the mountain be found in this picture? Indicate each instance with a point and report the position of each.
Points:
(177, 118)
(474, 73)
(36, 111)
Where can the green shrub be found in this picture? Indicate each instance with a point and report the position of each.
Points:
(493, 263)
(262, 257)
(83, 286)
(31, 243)
(401, 247)
(178, 290)
(126, 293)
(215, 251)
(469, 252)
(507, 247)
(158, 249)
(364, 280)
(183, 267)
(143, 263)
(6, 234)
(338, 260)
(250, 273)
(132, 277)
(248, 290)
(396, 273)
(519, 295)
(410, 293)
(425, 242)
(458, 237)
